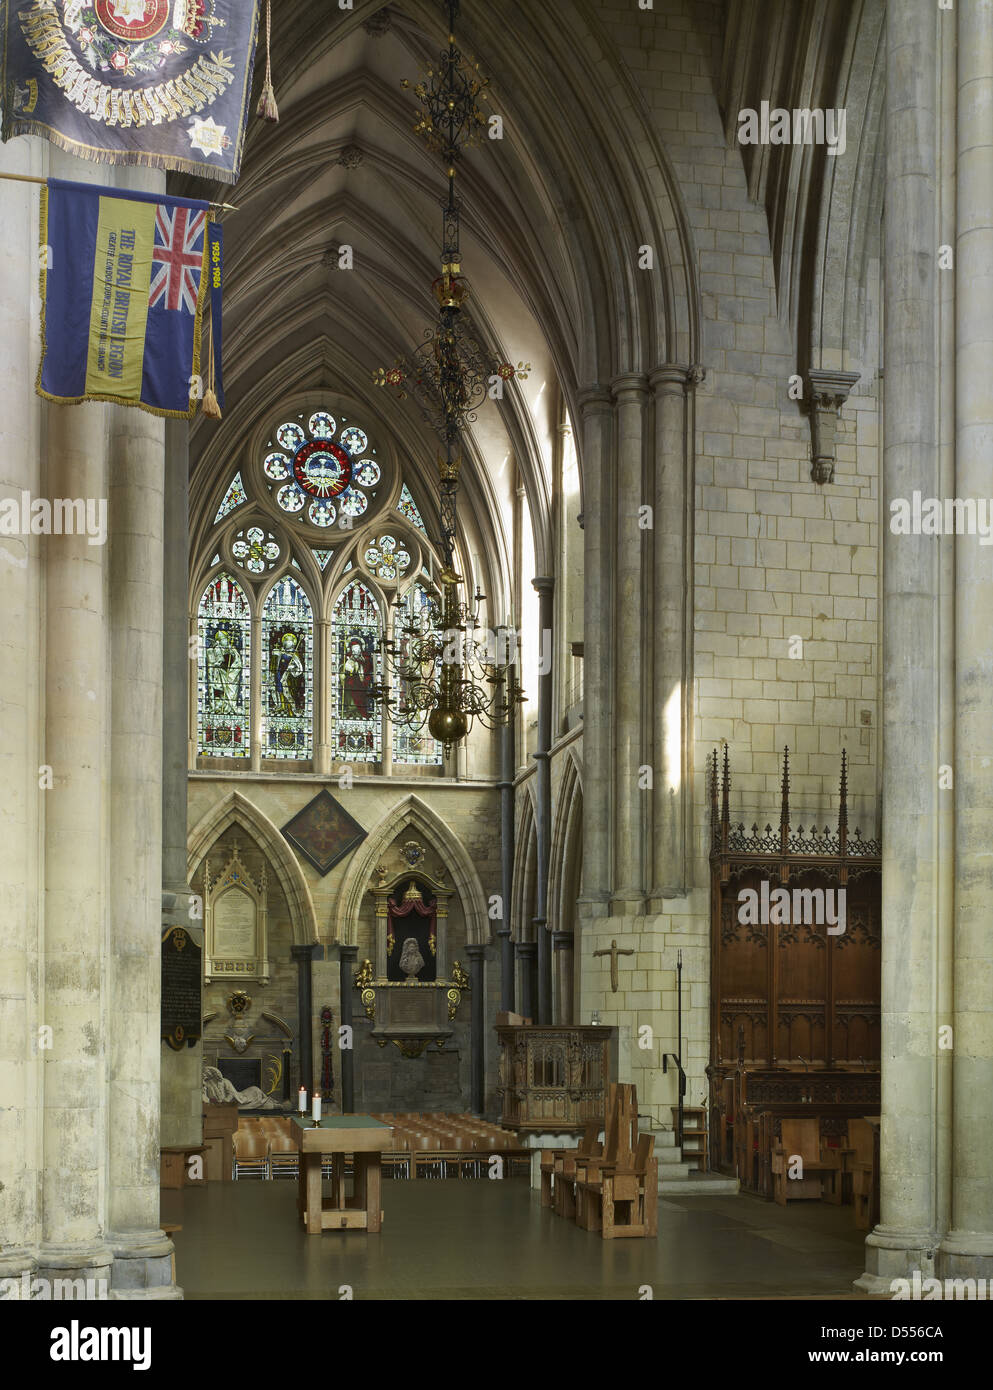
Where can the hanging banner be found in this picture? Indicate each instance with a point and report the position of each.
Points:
(164, 83)
(122, 294)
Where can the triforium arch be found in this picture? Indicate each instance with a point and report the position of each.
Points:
(411, 814)
(236, 809)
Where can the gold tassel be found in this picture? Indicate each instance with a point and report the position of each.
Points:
(268, 110)
(209, 404)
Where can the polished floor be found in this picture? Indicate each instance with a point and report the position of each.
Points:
(492, 1240)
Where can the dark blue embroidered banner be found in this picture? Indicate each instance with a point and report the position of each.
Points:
(164, 83)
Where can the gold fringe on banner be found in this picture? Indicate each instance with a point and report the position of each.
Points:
(268, 109)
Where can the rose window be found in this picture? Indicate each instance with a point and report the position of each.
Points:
(387, 559)
(255, 550)
(319, 472)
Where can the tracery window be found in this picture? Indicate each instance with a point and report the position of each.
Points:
(320, 470)
(413, 745)
(314, 544)
(355, 632)
(287, 672)
(224, 693)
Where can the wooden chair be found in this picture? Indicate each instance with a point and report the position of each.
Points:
(251, 1153)
(284, 1156)
(800, 1139)
(863, 1164)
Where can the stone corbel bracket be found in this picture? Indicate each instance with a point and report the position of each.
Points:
(828, 393)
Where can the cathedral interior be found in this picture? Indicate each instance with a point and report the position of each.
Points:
(510, 900)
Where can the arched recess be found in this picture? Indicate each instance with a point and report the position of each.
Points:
(525, 871)
(412, 813)
(238, 810)
(566, 848)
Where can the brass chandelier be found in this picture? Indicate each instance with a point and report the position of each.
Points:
(443, 668)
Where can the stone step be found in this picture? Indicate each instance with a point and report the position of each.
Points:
(699, 1185)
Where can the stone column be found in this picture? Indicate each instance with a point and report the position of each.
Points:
(347, 956)
(543, 816)
(906, 1236)
(562, 942)
(967, 1250)
(21, 649)
(76, 860)
(181, 1072)
(672, 578)
(304, 956)
(506, 787)
(526, 954)
(597, 648)
(142, 1252)
(477, 1027)
(630, 392)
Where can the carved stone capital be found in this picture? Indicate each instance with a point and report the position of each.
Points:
(829, 391)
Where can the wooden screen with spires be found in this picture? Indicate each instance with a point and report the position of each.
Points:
(795, 1003)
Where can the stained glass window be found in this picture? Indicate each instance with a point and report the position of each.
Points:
(408, 507)
(287, 672)
(356, 668)
(318, 471)
(224, 670)
(413, 745)
(255, 550)
(387, 559)
(323, 557)
(234, 497)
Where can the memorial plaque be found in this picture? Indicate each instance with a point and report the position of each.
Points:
(182, 1011)
(234, 926)
(242, 1072)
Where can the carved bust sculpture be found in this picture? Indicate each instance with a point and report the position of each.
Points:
(411, 960)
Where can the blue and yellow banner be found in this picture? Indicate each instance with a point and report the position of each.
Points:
(164, 83)
(123, 283)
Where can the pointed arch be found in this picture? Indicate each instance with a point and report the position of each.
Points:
(412, 813)
(236, 809)
(525, 870)
(566, 845)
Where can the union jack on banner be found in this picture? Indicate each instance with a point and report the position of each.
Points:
(177, 259)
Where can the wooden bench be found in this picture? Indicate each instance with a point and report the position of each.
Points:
(617, 1194)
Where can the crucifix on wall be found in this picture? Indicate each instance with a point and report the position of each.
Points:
(613, 953)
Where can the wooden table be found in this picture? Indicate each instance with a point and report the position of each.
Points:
(338, 1135)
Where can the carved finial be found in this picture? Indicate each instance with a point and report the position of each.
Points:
(784, 815)
(725, 787)
(712, 780)
(843, 802)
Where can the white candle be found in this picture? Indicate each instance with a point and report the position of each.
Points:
(302, 1100)
(316, 1111)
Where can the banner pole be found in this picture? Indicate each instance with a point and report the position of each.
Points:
(32, 178)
